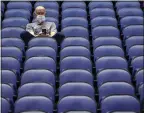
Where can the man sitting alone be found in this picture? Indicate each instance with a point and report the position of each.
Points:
(41, 28)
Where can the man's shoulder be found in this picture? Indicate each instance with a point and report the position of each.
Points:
(32, 24)
(49, 23)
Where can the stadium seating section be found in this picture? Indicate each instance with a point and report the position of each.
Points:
(99, 67)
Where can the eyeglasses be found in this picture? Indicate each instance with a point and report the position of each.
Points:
(40, 13)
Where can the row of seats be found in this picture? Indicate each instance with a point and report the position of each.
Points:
(25, 89)
(79, 4)
(67, 62)
(111, 55)
(134, 52)
(70, 11)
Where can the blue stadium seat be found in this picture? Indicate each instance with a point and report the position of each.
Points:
(139, 77)
(129, 12)
(40, 63)
(106, 41)
(76, 75)
(74, 21)
(136, 51)
(77, 62)
(52, 13)
(12, 52)
(2, 7)
(33, 112)
(75, 41)
(13, 42)
(127, 4)
(40, 42)
(9, 77)
(124, 112)
(133, 30)
(19, 5)
(137, 63)
(103, 21)
(74, 12)
(120, 103)
(36, 89)
(75, 32)
(77, 103)
(103, 51)
(38, 76)
(73, 4)
(78, 112)
(111, 62)
(47, 4)
(134, 40)
(101, 12)
(51, 19)
(5, 106)
(100, 4)
(105, 31)
(40, 52)
(34, 103)
(113, 75)
(141, 93)
(11, 32)
(9, 63)
(18, 13)
(19, 22)
(7, 92)
(131, 20)
(115, 88)
(76, 89)
(74, 51)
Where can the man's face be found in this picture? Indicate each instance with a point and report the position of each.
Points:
(40, 11)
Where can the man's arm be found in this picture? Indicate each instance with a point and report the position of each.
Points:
(53, 30)
(30, 29)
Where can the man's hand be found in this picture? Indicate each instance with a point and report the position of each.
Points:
(43, 35)
(52, 34)
(48, 35)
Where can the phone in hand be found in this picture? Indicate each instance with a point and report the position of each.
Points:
(44, 31)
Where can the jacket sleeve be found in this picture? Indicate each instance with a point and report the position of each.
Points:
(30, 29)
(53, 28)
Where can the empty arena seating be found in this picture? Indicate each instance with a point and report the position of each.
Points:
(98, 68)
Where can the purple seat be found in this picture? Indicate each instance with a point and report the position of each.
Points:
(115, 88)
(36, 89)
(9, 77)
(5, 106)
(137, 63)
(76, 89)
(76, 75)
(139, 77)
(32, 103)
(113, 75)
(13, 42)
(40, 52)
(77, 103)
(120, 103)
(38, 76)
(106, 41)
(12, 52)
(9, 63)
(40, 63)
(75, 62)
(111, 62)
